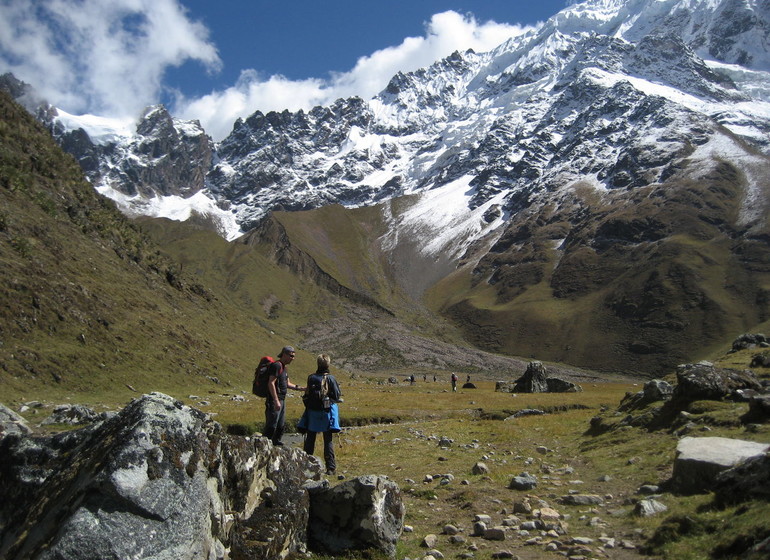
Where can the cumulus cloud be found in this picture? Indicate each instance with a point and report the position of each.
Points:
(445, 33)
(109, 58)
(98, 56)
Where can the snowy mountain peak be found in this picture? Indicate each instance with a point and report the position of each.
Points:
(512, 124)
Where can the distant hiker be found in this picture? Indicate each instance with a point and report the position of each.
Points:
(468, 380)
(454, 381)
(322, 394)
(275, 404)
(425, 377)
(434, 378)
(411, 379)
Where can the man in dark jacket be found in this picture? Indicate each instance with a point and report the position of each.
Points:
(277, 386)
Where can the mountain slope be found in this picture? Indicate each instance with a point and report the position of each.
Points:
(88, 304)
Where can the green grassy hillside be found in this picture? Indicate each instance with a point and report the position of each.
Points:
(89, 305)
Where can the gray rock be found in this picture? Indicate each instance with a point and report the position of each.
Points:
(533, 380)
(749, 340)
(72, 414)
(495, 534)
(581, 499)
(649, 507)
(430, 541)
(748, 480)
(364, 513)
(648, 489)
(657, 390)
(158, 469)
(524, 481)
(699, 460)
(450, 529)
(706, 382)
(479, 528)
(12, 423)
(480, 468)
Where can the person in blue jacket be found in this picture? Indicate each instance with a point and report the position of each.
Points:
(322, 393)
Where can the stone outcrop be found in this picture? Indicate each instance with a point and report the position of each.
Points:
(12, 423)
(748, 480)
(536, 380)
(705, 381)
(158, 480)
(700, 459)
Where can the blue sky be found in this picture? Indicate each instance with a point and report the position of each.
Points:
(216, 60)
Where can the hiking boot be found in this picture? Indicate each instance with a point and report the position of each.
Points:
(330, 472)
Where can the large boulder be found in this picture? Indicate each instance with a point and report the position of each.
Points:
(750, 340)
(536, 380)
(72, 414)
(700, 459)
(365, 513)
(703, 381)
(748, 480)
(158, 480)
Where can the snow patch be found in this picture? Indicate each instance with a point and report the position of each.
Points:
(442, 223)
(175, 208)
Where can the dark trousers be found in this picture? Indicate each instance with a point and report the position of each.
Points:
(329, 459)
(274, 420)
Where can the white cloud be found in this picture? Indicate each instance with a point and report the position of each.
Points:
(109, 58)
(100, 56)
(445, 33)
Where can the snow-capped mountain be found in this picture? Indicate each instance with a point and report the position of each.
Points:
(502, 126)
(567, 157)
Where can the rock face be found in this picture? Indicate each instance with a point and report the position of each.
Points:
(704, 381)
(159, 480)
(535, 380)
(363, 513)
(699, 460)
(748, 480)
(11, 423)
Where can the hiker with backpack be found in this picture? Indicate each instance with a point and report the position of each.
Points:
(278, 385)
(322, 393)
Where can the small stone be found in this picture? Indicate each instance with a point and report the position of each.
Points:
(450, 529)
(430, 541)
(495, 534)
(649, 507)
(648, 489)
(480, 468)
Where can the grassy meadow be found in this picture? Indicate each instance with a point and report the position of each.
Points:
(395, 429)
